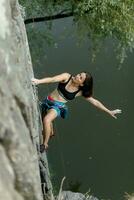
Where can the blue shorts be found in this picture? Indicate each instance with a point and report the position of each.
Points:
(60, 107)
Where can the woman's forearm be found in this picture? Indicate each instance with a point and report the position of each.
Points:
(57, 78)
(41, 81)
(45, 80)
(100, 106)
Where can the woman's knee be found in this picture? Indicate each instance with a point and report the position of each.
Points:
(50, 116)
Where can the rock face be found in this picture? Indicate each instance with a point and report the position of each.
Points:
(20, 122)
(67, 195)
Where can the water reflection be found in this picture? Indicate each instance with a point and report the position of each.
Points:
(99, 149)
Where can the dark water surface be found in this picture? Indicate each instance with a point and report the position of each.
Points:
(92, 149)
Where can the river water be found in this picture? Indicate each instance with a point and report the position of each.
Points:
(92, 149)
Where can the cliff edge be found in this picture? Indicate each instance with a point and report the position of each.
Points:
(20, 124)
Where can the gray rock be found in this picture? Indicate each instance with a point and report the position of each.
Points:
(20, 124)
(67, 195)
(7, 179)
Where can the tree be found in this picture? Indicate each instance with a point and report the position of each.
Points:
(96, 19)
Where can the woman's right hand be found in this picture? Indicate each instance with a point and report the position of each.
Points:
(114, 112)
(35, 81)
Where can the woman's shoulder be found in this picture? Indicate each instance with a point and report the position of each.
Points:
(66, 76)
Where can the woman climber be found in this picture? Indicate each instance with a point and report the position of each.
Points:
(69, 87)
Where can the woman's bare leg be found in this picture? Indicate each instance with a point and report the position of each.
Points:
(47, 126)
(52, 129)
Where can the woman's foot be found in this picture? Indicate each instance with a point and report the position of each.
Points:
(52, 132)
(52, 135)
(43, 147)
(46, 146)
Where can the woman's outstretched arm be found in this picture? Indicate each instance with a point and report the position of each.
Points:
(99, 105)
(57, 78)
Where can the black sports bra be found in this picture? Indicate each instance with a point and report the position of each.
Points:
(64, 93)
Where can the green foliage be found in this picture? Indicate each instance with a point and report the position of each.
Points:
(97, 19)
(39, 8)
(100, 19)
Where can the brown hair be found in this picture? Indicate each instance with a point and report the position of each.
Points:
(87, 88)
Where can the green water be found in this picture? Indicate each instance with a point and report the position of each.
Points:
(90, 148)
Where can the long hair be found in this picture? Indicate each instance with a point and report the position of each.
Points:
(87, 88)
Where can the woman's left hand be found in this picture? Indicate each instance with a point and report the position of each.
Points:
(114, 112)
(35, 81)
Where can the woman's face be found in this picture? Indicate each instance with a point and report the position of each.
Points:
(80, 78)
